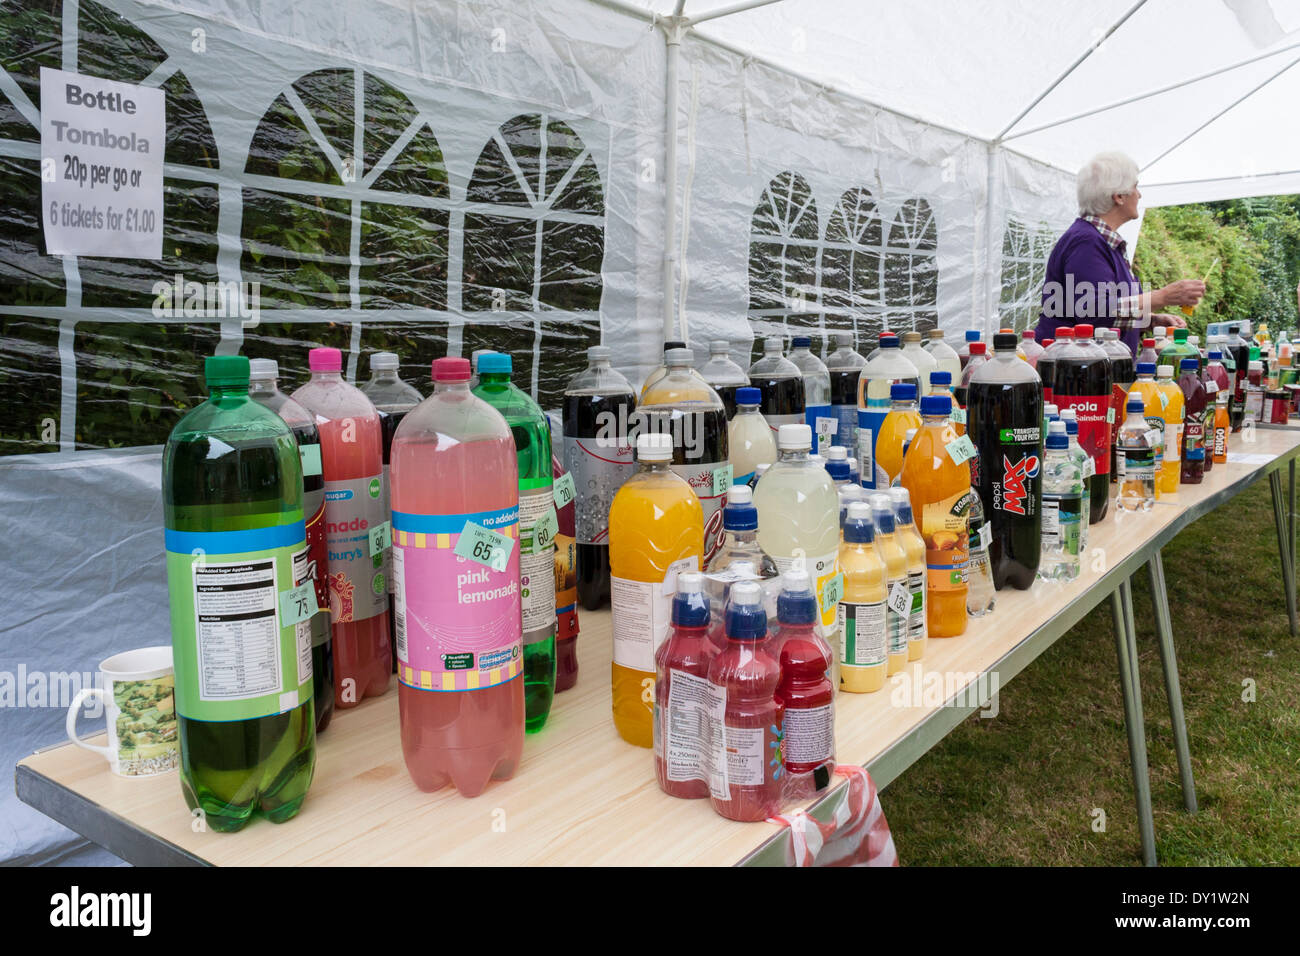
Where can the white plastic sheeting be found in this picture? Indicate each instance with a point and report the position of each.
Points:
(800, 205)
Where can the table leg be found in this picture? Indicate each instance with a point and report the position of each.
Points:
(1169, 663)
(1282, 520)
(1290, 500)
(1121, 609)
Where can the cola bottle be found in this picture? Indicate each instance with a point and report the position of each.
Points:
(1004, 420)
(1122, 376)
(1082, 381)
(1047, 361)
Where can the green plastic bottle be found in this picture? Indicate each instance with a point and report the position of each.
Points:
(537, 526)
(242, 599)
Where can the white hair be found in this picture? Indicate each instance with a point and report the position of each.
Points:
(1101, 178)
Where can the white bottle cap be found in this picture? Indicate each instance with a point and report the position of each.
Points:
(911, 433)
(881, 502)
(1049, 409)
(1256, 365)
(838, 453)
(851, 492)
(1165, 371)
(740, 495)
(843, 339)
(597, 353)
(1069, 415)
(654, 447)
(900, 496)
(1056, 427)
(262, 369)
(382, 361)
(793, 437)
(859, 509)
(719, 347)
(679, 357)
(760, 470)
(796, 579)
(690, 582)
(772, 345)
(746, 592)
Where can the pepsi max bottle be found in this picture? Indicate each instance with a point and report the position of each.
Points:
(1004, 414)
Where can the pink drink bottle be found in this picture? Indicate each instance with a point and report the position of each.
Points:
(460, 678)
(353, 464)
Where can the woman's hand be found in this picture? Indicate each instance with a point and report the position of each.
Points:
(1182, 292)
(1168, 320)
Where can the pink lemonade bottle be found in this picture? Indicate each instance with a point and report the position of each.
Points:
(352, 460)
(746, 782)
(460, 688)
(681, 693)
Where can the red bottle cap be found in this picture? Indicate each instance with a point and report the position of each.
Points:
(450, 369)
(325, 359)
(1065, 332)
(1083, 331)
(1027, 334)
(1148, 343)
(1048, 342)
(978, 348)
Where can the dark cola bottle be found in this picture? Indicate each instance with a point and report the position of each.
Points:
(1082, 381)
(1004, 415)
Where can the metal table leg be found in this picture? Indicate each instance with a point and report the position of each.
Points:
(1169, 663)
(1121, 602)
(1283, 522)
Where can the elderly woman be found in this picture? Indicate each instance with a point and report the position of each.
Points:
(1088, 276)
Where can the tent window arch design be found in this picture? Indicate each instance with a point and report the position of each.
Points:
(784, 255)
(1025, 249)
(851, 265)
(911, 270)
(97, 368)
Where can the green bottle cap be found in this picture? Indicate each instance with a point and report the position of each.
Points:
(1180, 335)
(226, 370)
(1254, 353)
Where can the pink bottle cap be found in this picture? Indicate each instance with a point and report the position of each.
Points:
(325, 359)
(449, 369)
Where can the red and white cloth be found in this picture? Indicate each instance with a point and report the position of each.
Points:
(856, 835)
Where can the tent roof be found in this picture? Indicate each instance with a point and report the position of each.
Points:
(1050, 78)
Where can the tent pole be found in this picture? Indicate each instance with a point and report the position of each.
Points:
(673, 29)
(990, 241)
(1070, 69)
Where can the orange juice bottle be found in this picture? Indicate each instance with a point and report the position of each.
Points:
(1145, 386)
(891, 552)
(1170, 399)
(940, 489)
(893, 430)
(656, 531)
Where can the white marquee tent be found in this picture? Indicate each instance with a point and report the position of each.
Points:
(501, 172)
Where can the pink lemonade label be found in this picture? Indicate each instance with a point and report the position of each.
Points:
(459, 623)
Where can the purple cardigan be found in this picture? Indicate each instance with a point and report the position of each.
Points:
(1080, 262)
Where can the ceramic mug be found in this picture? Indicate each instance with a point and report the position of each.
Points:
(137, 691)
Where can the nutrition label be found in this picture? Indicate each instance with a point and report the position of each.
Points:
(238, 630)
(695, 714)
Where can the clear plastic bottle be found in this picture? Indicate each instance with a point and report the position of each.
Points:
(747, 676)
(723, 375)
(844, 366)
(798, 512)
(1137, 460)
(740, 536)
(538, 524)
(944, 355)
(1085, 463)
(1029, 345)
(656, 528)
(750, 439)
(1046, 366)
(234, 539)
(681, 719)
(890, 367)
(454, 462)
(352, 460)
(977, 357)
(914, 550)
(1062, 505)
(263, 388)
(805, 692)
(980, 590)
(925, 362)
(861, 611)
(782, 386)
(848, 494)
(653, 378)
(598, 410)
(892, 554)
(816, 391)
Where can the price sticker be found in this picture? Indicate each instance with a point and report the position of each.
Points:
(828, 426)
(986, 535)
(564, 492)
(544, 531)
(1211, 387)
(961, 449)
(677, 567)
(1110, 416)
(900, 598)
(381, 536)
(958, 416)
(1164, 400)
(297, 604)
(310, 457)
(489, 548)
(721, 479)
(832, 591)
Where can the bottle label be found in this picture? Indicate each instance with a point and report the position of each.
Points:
(235, 655)
(1157, 424)
(898, 610)
(313, 505)
(847, 432)
(869, 421)
(741, 759)
(686, 729)
(1220, 443)
(1254, 402)
(642, 611)
(566, 587)
(1193, 435)
(1118, 397)
(1173, 450)
(944, 528)
(862, 633)
(823, 436)
(699, 475)
(1137, 464)
(537, 560)
(916, 619)
(808, 734)
(599, 466)
(1061, 517)
(1093, 413)
(1015, 488)
(358, 585)
(458, 621)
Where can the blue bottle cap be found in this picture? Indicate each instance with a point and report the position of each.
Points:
(796, 604)
(972, 335)
(941, 378)
(1058, 441)
(882, 514)
(838, 469)
(739, 514)
(1146, 368)
(749, 396)
(902, 392)
(745, 619)
(490, 362)
(936, 405)
(1215, 355)
(858, 528)
(1188, 364)
(801, 342)
(690, 603)
(1136, 404)
(889, 341)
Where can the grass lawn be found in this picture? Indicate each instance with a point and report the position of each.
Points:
(1024, 787)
